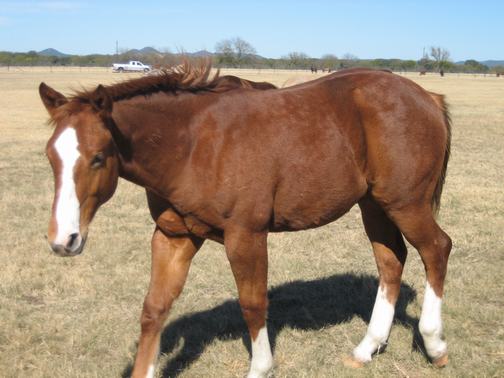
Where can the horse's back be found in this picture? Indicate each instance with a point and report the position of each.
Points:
(306, 154)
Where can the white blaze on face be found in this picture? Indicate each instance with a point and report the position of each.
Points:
(378, 329)
(67, 205)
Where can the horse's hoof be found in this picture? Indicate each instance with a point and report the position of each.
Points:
(351, 362)
(441, 362)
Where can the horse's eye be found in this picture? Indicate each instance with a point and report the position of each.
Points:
(98, 160)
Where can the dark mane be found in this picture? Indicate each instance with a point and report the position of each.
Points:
(185, 77)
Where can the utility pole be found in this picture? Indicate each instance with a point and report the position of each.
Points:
(117, 48)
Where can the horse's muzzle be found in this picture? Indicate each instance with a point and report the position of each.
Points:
(73, 247)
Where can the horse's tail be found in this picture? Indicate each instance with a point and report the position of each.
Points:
(443, 106)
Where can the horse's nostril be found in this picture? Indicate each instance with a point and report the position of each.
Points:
(71, 239)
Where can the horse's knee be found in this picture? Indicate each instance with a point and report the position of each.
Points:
(153, 314)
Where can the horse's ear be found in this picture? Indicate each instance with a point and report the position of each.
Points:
(101, 100)
(51, 98)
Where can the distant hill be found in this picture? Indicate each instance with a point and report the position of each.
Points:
(52, 52)
(149, 50)
(145, 51)
(493, 63)
(153, 51)
(138, 52)
(488, 63)
(201, 54)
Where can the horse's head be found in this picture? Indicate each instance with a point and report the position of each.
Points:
(85, 164)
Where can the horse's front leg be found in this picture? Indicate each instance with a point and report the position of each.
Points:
(171, 258)
(248, 256)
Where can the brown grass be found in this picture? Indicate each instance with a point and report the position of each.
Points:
(78, 317)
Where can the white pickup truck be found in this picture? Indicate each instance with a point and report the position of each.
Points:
(132, 66)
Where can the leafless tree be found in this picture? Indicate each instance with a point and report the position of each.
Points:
(348, 60)
(441, 56)
(349, 56)
(224, 47)
(298, 59)
(243, 48)
(234, 51)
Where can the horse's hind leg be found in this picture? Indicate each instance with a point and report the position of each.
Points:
(419, 227)
(390, 255)
(171, 258)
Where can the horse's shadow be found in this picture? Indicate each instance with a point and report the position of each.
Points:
(306, 305)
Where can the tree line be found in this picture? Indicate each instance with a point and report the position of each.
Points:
(238, 53)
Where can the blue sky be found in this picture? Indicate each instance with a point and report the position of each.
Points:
(365, 28)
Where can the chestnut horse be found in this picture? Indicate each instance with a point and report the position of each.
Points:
(232, 163)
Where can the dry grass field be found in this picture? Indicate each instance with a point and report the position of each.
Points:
(78, 317)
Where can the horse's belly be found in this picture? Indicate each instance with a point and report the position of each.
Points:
(302, 219)
(307, 207)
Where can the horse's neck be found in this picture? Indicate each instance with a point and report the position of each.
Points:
(158, 144)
